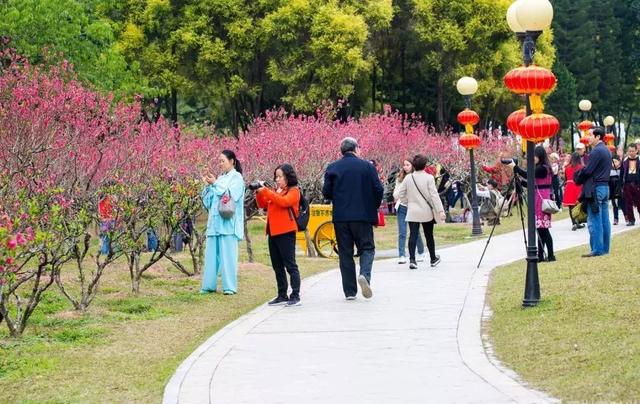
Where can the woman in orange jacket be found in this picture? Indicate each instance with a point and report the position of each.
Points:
(282, 205)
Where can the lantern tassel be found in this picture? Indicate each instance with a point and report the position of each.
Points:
(535, 100)
(468, 128)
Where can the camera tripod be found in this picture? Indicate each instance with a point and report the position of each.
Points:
(514, 186)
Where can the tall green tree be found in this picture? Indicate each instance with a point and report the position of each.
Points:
(469, 38)
(145, 30)
(46, 31)
(562, 102)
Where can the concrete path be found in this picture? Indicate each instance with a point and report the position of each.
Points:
(417, 341)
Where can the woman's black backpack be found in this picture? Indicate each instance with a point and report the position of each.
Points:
(302, 220)
(303, 213)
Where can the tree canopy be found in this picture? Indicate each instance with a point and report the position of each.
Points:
(228, 61)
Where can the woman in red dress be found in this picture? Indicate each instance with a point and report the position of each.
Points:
(572, 191)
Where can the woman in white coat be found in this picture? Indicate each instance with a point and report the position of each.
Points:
(424, 208)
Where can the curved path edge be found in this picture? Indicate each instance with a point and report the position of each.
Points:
(474, 350)
(218, 345)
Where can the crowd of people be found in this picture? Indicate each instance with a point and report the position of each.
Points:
(422, 196)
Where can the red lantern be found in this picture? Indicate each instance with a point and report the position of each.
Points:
(609, 138)
(539, 127)
(468, 117)
(512, 80)
(585, 140)
(530, 80)
(612, 148)
(469, 141)
(513, 121)
(585, 125)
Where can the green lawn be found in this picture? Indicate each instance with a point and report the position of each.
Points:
(126, 347)
(582, 342)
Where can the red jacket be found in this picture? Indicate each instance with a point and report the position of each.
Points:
(105, 211)
(280, 218)
(500, 173)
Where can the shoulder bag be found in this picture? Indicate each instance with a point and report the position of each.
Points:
(226, 206)
(549, 206)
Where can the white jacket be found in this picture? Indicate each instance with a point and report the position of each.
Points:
(418, 209)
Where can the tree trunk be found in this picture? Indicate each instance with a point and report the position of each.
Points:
(135, 283)
(627, 129)
(134, 264)
(373, 89)
(404, 76)
(248, 240)
(311, 251)
(440, 102)
(174, 106)
(179, 265)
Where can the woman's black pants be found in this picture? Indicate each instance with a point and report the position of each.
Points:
(545, 239)
(282, 249)
(414, 231)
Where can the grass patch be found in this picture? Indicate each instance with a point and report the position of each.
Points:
(125, 347)
(582, 342)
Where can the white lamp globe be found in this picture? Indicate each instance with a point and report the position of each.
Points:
(534, 15)
(467, 85)
(609, 121)
(512, 18)
(584, 105)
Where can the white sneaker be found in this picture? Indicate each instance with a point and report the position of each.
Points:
(420, 258)
(402, 260)
(364, 287)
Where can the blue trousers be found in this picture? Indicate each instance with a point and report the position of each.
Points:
(402, 233)
(220, 259)
(598, 222)
(105, 244)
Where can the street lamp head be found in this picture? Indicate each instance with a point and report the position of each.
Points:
(467, 86)
(584, 105)
(512, 18)
(534, 15)
(609, 121)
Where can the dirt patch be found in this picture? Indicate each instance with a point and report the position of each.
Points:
(68, 315)
(245, 266)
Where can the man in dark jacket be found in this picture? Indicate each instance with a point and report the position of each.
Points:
(353, 187)
(595, 193)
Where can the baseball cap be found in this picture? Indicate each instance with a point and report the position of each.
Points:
(580, 146)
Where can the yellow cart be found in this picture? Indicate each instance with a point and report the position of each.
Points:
(321, 232)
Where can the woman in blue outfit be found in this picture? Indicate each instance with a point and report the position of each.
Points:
(223, 235)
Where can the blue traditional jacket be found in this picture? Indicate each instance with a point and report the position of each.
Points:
(233, 183)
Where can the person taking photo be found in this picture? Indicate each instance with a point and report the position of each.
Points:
(543, 190)
(282, 205)
(223, 197)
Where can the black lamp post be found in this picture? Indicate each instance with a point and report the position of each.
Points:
(467, 86)
(529, 18)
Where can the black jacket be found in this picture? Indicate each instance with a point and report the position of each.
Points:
(596, 172)
(353, 187)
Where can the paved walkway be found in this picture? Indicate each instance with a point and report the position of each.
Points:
(418, 340)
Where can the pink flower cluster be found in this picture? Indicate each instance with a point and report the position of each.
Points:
(310, 143)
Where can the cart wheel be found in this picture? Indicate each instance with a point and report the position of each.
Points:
(325, 240)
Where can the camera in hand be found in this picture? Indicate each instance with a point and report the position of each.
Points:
(255, 185)
(509, 161)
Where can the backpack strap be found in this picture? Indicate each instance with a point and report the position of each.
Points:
(424, 197)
